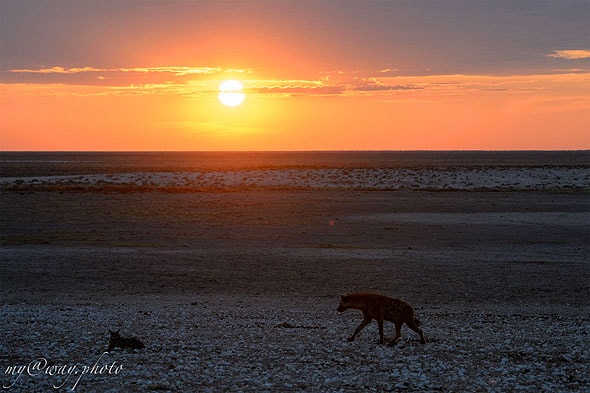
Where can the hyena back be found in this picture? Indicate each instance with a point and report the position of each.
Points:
(381, 308)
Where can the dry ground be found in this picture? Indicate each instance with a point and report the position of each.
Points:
(499, 279)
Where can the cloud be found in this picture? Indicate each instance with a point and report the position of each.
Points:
(571, 54)
(196, 82)
(293, 87)
(327, 86)
(571, 70)
(55, 70)
(389, 70)
(121, 76)
(373, 84)
(193, 82)
(175, 70)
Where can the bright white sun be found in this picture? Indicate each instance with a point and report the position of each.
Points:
(231, 93)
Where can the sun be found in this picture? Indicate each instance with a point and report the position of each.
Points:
(231, 93)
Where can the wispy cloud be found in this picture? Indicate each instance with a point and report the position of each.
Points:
(174, 70)
(121, 76)
(571, 54)
(194, 82)
(388, 70)
(376, 84)
(55, 70)
(327, 86)
(293, 87)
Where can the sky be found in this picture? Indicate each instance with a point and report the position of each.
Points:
(317, 75)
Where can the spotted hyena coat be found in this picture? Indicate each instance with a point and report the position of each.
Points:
(381, 308)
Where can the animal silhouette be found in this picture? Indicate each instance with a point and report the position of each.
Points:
(381, 308)
(123, 342)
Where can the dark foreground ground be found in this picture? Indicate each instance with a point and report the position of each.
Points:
(237, 291)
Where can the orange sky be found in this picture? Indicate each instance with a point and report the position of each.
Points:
(141, 76)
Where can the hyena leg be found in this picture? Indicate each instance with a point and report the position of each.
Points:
(398, 333)
(360, 327)
(381, 340)
(412, 325)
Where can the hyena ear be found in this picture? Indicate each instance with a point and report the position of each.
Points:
(341, 297)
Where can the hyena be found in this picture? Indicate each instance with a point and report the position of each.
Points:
(381, 308)
(122, 342)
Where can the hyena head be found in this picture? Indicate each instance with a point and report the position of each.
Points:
(343, 305)
(115, 339)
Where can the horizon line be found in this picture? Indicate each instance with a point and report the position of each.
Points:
(299, 151)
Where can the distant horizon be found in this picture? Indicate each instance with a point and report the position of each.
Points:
(295, 151)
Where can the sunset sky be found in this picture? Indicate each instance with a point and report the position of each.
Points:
(317, 75)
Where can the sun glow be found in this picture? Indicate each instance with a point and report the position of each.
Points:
(231, 93)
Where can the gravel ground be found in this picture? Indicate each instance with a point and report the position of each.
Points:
(237, 291)
(229, 343)
(487, 178)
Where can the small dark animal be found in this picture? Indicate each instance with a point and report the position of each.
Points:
(381, 308)
(123, 342)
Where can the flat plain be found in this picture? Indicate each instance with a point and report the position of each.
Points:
(237, 290)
